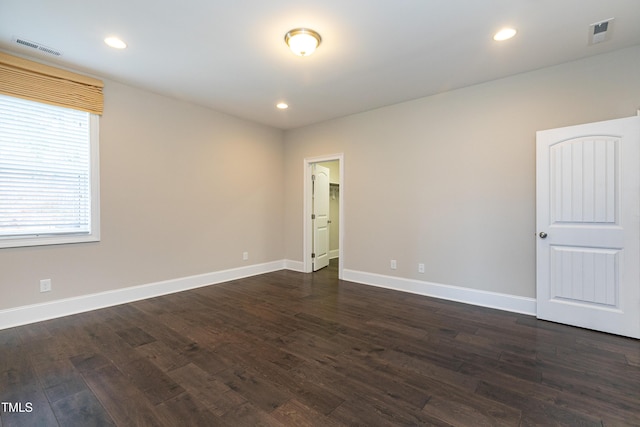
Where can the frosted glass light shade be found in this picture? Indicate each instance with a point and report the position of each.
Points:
(302, 41)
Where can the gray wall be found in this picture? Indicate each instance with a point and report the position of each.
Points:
(184, 191)
(449, 180)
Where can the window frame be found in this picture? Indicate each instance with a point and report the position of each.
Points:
(47, 239)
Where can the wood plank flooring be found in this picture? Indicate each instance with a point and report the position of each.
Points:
(294, 349)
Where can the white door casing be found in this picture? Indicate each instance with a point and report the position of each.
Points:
(307, 229)
(320, 216)
(588, 225)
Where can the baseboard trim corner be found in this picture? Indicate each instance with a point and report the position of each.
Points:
(18, 316)
(294, 265)
(505, 302)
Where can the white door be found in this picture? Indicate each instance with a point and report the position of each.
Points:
(588, 225)
(320, 217)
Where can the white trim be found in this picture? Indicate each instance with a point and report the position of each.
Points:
(335, 253)
(294, 265)
(38, 312)
(481, 298)
(65, 307)
(306, 221)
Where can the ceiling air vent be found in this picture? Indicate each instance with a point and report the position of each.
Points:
(600, 31)
(37, 46)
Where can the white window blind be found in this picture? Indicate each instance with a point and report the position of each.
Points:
(45, 173)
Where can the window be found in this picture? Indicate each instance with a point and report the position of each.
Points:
(49, 189)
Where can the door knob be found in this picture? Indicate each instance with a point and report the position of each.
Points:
(542, 235)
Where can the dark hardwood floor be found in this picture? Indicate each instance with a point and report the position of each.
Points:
(306, 349)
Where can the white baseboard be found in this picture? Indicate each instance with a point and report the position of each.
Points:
(64, 307)
(50, 310)
(334, 254)
(488, 299)
(294, 265)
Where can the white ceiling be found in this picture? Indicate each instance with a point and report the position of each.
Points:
(231, 55)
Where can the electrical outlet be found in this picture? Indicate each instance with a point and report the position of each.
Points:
(245, 256)
(420, 268)
(45, 285)
(394, 264)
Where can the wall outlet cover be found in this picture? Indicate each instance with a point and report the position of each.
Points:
(45, 285)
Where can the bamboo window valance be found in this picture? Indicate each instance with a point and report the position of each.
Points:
(42, 83)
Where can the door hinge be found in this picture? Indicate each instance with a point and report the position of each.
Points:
(313, 216)
(313, 255)
(313, 177)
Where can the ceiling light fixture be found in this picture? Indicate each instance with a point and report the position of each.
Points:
(282, 105)
(115, 43)
(504, 34)
(302, 41)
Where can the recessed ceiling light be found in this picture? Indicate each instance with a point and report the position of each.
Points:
(504, 34)
(115, 43)
(302, 41)
(282, 105)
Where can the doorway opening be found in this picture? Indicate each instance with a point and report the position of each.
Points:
(333, 228)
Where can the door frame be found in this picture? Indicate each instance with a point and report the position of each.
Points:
(308, 193)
